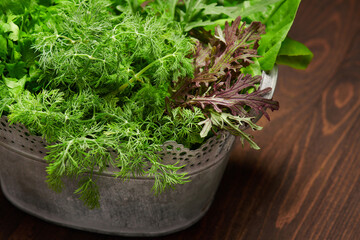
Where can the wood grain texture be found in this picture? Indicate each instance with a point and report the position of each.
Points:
(304, 183)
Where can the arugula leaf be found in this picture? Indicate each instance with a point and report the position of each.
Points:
(215, 9)
(294, 54)
(250, 7)
(197, 24)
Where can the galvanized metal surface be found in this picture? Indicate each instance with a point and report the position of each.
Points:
(127, 208)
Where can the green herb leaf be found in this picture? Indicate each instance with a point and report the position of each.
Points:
(3, 47)
(2, 67)
(294, 54)
(233, 124)
(16, 86)
(250, 7)
(16, 7)
(10, 27)
(16, 70)
(278, 20)
(207, 127)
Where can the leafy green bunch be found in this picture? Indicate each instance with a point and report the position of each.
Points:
(18, 20)
(84, 46)
(276, 15)
(100, 89)
(107, 82)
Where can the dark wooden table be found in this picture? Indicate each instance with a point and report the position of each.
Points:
(304, 183)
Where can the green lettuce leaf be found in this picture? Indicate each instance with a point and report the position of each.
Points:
(278, 20)
(294, 54)
(15, 86)
(198, 10)
(16, 7)
(5, 97)
(10, 27)
(16, 70)
(3, 47)
(250, 7)
(278, 16)
(2, 67)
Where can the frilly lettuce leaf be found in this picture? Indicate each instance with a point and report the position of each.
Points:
(219, 86)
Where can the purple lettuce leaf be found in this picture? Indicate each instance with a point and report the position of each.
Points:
(230, 49)
(229, 99)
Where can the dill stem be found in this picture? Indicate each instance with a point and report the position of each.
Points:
(88, 56)
(67, 38)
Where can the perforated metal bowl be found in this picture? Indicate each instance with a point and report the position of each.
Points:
(128, 208)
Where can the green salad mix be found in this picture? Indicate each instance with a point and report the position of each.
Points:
(94, 77)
